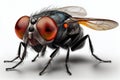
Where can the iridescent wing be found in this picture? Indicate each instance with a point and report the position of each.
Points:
(94, 23)
(74, 11)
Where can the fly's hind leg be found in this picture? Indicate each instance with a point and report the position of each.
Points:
(18, 55)
(78, 43)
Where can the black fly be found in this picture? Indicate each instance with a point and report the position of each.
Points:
(57, 28)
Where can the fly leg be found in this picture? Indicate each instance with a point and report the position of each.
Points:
(35, 57)
(42, 53)
(51, 58)
(67, 43)
(77, 45)
(18, 55)
(66, 62)
(22, 58)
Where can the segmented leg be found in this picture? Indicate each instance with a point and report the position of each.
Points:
(42, 53)
(51, 58)
(77, 45)
(19, 53)
(66, 62)
(35, 57)
(22, 58)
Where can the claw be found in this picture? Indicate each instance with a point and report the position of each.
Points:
(9, 69)
(108, 61)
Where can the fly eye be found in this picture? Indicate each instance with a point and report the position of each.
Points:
(47, 28)
(21, 26)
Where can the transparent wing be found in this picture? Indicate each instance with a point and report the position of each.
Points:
(74, 11)
(94, 23)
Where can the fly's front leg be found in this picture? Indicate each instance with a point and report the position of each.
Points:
(77, 45)
(19, 53)
(22, 58)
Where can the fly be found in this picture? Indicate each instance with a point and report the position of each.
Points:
(57, 28)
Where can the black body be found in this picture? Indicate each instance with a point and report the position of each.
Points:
(70, 38)
(69, 35)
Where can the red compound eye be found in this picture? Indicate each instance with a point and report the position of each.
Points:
(47, 28)
(21, 26)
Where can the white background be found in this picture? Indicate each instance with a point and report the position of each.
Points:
(82, 65)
